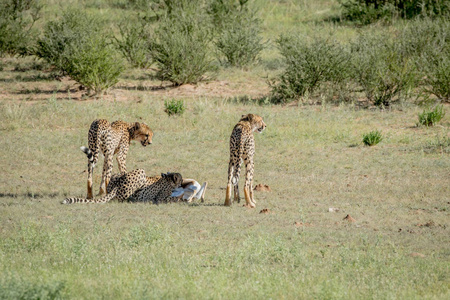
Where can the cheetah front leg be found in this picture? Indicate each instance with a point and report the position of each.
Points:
(122, 159)
(228, 192)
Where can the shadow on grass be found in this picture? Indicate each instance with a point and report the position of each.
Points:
(262, 100)
(146, 88)
(30, 195)
(30, 78)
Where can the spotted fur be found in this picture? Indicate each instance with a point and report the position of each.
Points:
(160, 189)
(121, 187)
(242, 149)
(110, 139)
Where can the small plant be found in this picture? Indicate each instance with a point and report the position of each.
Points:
(372, 138)
(174, 107)
(431, 117)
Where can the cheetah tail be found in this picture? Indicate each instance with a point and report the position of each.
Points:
(104, 199)
(88, 153)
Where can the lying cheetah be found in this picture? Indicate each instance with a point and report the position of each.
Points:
(112, 138)
(160, 189)
(136, 185)
(242, 148)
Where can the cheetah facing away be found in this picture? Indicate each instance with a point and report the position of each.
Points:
(242, 149)
(110, 139)
(135, 185)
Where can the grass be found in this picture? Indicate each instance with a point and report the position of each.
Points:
(311, 156)
(208, 251)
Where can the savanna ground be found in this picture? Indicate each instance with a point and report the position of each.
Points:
(397, 192)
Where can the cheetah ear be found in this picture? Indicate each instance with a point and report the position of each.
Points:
(163, 175)
(137, 125)
(177, 179)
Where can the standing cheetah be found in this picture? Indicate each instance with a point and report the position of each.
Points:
(242, 148)
(112, 138)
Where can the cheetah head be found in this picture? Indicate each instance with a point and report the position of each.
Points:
(256, 122)
(143, 133)
(174, 178)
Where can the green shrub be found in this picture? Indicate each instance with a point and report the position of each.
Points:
(174, 107)
(308, 66)
(368, 11)
(372, 138)
(430, 117)
(238, 28)
(364, 12)
(16, 25)
(427, 42)
(18, 288)
(380, 68)
(77, 45)
(240, 42)
(135, 44)
(181, 48)
(436, 69)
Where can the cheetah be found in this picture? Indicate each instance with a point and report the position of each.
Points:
(112, 138)
(159, 189)
(242, 149)
(136, 185)
(121, 186)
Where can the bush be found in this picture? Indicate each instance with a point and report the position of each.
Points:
(174, 107)
(381, 69)
(308, 66)
(372, 138)
(431, 117)
(181, 48)
(77, 46)
(368, 11)
(135, 44)
(16, 25)
(428, 42)
(18, 288)
(364, 12)
(238, 29)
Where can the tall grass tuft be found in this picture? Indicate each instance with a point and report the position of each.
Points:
(430, 117)
(174, 107)
(372, 138)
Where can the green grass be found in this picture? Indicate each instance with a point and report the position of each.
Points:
(305, 155)
(311, 156)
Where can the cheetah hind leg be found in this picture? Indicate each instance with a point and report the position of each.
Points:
(228, 195)
(248, 199)
(236, 194)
